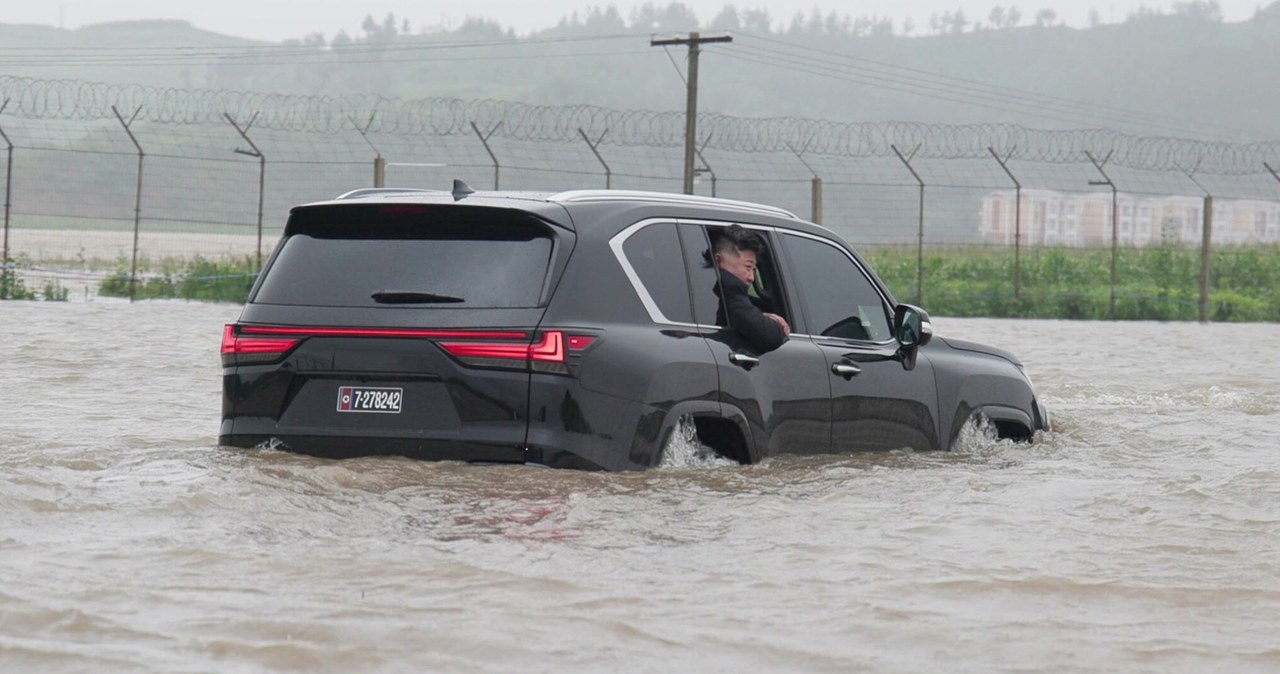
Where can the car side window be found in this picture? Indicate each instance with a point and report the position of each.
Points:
(766, 292)
(653, 253)
(702, 273)
(839, 299)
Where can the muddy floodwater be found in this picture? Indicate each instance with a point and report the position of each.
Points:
(1141, 535)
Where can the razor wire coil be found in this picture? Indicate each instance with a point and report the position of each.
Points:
(75, 100)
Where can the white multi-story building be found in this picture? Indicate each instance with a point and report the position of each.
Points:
(1051, 218)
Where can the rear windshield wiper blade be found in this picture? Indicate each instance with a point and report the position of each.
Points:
(412, 297)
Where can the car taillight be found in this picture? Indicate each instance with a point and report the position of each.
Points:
(240, 350)
(548, 354)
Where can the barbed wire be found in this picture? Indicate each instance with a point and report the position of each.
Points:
(77, 100)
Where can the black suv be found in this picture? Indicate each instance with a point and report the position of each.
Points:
(578, 330)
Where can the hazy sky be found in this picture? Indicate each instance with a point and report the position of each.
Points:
(281, 19)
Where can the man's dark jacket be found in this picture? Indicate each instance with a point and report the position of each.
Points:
(739, 310)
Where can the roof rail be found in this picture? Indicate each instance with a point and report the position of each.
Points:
(371, 191)
(579, 196)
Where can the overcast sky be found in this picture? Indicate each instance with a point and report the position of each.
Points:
(277, 20)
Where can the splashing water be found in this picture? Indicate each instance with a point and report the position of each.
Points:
(683, 450)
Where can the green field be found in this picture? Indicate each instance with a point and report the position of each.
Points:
(1152, 283)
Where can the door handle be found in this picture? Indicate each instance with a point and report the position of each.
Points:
(743, 361)
(846, 369)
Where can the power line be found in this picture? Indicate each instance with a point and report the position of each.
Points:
(922, 82)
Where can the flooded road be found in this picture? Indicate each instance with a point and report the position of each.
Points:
(1142, 535)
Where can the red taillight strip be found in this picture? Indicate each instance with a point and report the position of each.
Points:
(380, 332)
(549, 349)
(238, 350)
(233, 344)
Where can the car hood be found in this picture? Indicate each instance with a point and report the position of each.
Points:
(962, 345)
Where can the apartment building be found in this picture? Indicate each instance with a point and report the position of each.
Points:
(1083, 219)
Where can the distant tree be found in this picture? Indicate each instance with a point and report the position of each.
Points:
(882, 27)
(996, 16)
(837, 24)
(1004, 18)
(675, 17)
(1203, 10)
(1046, 17)
(727, 19)
(376, 32)
(757, 21)
(1095, 19)
(908, 26)
(1143, 13)
(604, 20)
(957, 22)
(484, 28)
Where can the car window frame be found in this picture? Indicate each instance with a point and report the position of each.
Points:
(783, 291)
(885, 301)
(617, 244)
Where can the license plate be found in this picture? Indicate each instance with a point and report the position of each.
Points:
(370, 399)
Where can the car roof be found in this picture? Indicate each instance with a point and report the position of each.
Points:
(557, 205)
(412, 194)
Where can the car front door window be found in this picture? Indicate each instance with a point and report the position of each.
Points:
(839, 299)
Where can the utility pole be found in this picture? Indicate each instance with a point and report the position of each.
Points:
(695, 42)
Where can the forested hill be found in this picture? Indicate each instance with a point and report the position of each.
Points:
(1186, 74)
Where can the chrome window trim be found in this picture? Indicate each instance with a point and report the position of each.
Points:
(650, 306)
(655, 314)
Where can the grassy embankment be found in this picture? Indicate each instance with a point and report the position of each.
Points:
(195, 279)
(1152, 284)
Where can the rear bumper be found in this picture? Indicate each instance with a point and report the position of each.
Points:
(571, 428)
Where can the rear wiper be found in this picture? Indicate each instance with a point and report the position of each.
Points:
(412, 297)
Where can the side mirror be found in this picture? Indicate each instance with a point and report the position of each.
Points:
(912, 329)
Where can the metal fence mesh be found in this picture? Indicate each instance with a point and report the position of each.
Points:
(73, 193)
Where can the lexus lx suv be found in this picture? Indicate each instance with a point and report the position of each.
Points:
(578, 329)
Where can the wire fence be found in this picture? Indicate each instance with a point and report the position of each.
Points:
(102, 180)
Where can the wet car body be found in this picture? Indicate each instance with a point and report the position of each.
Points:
(577, 330)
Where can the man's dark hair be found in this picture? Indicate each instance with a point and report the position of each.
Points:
(735, 238)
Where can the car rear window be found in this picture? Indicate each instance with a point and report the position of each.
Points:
(415, 257)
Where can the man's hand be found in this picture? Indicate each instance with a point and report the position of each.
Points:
(782, 322)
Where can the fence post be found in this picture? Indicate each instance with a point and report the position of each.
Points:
(262, 171)
(379, 164)
(1115, 219)
(8, 188)
(137, 201)
(608, 174)
(815, 190)
(706, 167)
(1206, 243)
(484, 138)
(906, 160)
(1206, 259)
(1017, 219)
